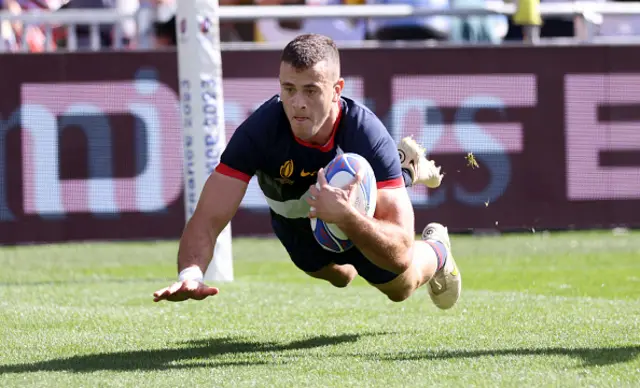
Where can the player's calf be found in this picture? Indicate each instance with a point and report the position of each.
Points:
(338, 275)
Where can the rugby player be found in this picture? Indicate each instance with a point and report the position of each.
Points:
(285, 143)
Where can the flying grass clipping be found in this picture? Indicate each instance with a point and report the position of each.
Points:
(471, 161)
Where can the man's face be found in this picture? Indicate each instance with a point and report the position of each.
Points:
(308, 96)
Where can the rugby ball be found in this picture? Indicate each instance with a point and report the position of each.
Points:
(340, 172)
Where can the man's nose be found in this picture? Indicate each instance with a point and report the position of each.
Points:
(298, 102)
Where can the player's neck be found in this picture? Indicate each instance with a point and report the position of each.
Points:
(326, 132)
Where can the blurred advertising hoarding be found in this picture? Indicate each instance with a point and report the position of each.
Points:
(92, 143)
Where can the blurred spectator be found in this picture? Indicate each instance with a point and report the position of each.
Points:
(164, 27)
(8, 30)
(14, 34)
(165, 33)
(105, 31)
(339, 29)
(164, 24)
(237, 31)
(472, 29)
(477, 29)
(414, 27)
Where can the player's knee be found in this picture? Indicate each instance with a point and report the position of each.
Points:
(399, 294)
(338, 275)
(348, 274)
(340, 282)
(342, 278)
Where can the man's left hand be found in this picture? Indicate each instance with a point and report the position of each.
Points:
(331, 204)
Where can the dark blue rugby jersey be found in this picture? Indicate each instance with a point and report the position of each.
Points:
(264, 145)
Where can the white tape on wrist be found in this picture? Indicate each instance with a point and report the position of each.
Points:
(191, 273)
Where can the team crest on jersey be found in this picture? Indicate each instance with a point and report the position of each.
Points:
(286, 170)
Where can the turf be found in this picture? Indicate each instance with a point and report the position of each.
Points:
(537, 310)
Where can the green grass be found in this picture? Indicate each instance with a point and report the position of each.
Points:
(537, 310)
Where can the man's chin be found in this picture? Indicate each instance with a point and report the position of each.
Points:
(304, 135)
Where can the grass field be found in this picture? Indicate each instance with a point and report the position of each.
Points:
(537, 310)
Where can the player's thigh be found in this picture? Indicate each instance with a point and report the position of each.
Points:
(302, 248)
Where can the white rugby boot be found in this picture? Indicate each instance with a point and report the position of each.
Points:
(446, 284)
(422, 170)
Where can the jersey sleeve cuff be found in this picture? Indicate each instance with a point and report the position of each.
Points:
(232, 172)
(394, 183)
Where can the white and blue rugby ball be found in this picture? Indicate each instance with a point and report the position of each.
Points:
(340, 172)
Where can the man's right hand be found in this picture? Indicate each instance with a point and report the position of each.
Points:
(187, 289)
(219, 201)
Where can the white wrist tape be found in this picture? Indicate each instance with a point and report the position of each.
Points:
(191, 273)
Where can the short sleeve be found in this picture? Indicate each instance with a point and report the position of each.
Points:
(240, 157)
(372, 141)
(245, 150)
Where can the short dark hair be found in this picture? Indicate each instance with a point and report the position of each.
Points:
(306, 50)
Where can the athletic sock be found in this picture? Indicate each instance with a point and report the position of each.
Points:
(441, 252)
(408, 182)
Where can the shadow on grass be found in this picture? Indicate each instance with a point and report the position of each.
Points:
(596, 356)
(202, 352)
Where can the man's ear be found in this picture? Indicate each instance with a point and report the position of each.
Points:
(337, 89)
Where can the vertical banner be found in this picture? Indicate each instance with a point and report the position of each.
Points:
(201, 106)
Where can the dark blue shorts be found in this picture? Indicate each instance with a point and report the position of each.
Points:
(305, 252)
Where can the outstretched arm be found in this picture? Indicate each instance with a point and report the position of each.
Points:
(219, 201)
